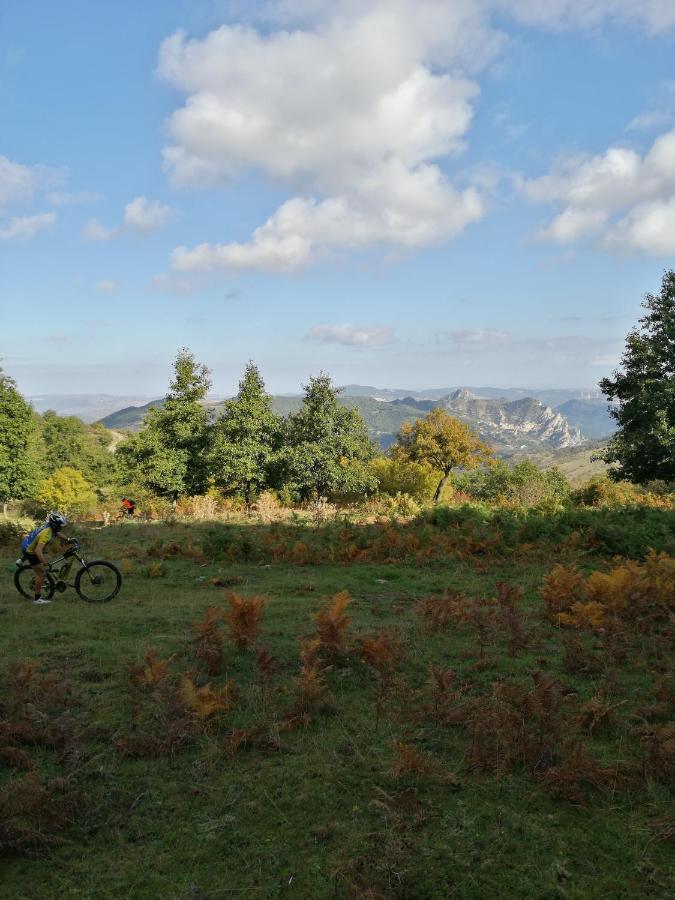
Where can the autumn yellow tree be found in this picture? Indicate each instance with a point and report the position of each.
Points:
(443, 443)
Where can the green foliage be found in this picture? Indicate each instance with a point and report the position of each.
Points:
(245, 438)
(524, 484)
(443, 443)
(67, 490)
(67, 441)
(18, 443)
(644, 446)
(325, 447)
(398, 475)
(170, 455)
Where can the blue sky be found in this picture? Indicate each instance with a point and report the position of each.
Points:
(403, 194)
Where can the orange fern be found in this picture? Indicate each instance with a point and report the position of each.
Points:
(332, 625)
(244, 619)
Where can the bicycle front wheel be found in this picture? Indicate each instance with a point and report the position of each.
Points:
(24, 581)
(98, 581)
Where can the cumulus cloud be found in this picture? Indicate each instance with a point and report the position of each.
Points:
(23, 228)
(146, 215)
(360, 144)
(654, 15)
(364, 336)
(19, 183)
(141, 216)
(360, 138)
(94, 231)
(620, 199)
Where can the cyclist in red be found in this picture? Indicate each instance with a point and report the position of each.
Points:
(129, 507)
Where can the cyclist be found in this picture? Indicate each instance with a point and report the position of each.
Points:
(33, 548)
(129, 507)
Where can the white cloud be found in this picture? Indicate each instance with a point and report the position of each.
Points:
(655, 15)
(107, 287)
(146, 215)
(359, 139)
(141, 216)
(619, 198)
(18, 183)
(359, 143)
(365, 336)
(23, 228)
(94, 231)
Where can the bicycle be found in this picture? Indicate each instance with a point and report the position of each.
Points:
(95, 582)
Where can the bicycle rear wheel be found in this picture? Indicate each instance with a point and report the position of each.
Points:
(98, 581)
(24, 581)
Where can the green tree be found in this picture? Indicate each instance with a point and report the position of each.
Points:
(325, 446)
(644, 445)
(443, 443)
(69, 442)
(245, 438)
(18, 444)
(66, 490)
(170, 454)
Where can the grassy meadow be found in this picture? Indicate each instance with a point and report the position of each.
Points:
(457, 727)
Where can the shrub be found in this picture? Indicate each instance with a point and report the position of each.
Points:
(396, 476)
(523, 484)
(67, 490)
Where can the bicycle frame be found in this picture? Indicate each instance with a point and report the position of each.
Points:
(66, 562)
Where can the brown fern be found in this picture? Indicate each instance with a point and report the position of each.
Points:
(207, 639)
(331, 625)
(244, 619)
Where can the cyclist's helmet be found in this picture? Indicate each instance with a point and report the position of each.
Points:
(56, 520)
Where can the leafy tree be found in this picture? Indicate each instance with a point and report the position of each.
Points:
(18, 443)
(443, 443)
(69, 442)
(67, 490)
(170, 455)
(644, 446)
(325, 446)
(245, 438)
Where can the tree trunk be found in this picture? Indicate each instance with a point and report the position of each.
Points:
(441, 485)
(4, 509)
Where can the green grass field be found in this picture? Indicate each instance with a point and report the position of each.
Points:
(323, 805)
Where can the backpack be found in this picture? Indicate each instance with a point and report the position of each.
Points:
(28, 540)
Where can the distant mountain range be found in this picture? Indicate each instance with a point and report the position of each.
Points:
(88, 407)
(512, 420)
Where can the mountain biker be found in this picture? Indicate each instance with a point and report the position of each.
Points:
(129, 507)
(33, 548)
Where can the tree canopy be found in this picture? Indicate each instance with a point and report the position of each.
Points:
(644, 445)
(443, 443)
(326, 446)
(245, 438)
(170, 456)
(18, 443)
